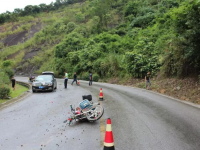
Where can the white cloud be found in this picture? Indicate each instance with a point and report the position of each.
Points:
(10, 5)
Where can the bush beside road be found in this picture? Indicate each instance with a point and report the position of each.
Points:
(18, 91)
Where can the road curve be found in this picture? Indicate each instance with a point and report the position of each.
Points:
(141, 120)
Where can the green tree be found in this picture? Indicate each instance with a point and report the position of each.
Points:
(43, 7)
(36, 9)
(131, 8)
(28, 10)
(2, 18)
(184, 55)
(6, 63)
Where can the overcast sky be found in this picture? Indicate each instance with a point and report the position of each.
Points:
(10, 5)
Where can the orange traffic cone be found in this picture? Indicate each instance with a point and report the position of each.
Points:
(109, 142)
(78, 82)
(101, 94)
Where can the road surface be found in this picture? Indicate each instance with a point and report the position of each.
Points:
(141, 120)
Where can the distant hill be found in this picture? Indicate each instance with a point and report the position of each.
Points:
(112, 38)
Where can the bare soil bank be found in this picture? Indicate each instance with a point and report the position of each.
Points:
(187, 89)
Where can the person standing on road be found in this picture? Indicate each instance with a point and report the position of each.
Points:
(75, 79)
(147, 80)
(66, 79)
(90, 79)
(14, 82)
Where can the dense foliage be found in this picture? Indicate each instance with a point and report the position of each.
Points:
(121, 38)
(153, 36)
(4, 82)
(4, 92)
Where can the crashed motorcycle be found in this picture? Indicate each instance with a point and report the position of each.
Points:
(31, 78)
(87, 110)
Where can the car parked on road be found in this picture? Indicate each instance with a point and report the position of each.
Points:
(44, 82)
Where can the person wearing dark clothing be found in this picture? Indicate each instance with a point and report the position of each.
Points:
(90, 79)
(75, 79)
(147, 79)
(13, 83)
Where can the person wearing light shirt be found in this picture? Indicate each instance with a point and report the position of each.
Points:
(66, 79)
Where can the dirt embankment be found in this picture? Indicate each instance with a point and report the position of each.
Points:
(3, 27)
(187, 89)
(21, 37)
(25, 68)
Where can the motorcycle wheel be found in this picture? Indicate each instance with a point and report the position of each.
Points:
(95, 113)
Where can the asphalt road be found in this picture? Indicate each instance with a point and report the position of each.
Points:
(141, 120)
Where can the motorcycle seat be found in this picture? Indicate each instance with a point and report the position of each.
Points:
(88, 97)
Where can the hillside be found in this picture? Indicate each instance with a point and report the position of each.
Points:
(121, 39)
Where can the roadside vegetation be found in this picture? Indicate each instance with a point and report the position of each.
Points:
(6, 74)
(6, 91)
(17, 92)
(112, 38)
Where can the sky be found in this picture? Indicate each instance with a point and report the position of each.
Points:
(10, 5)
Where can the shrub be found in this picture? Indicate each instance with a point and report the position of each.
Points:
(85, 76)
(143, 21)
(4, 91)
(70, 27)
(80, 17)
(95, 77)
(6, 63)
(60, 76)
(19, 68)
(9, 72)
(4, 79)
(131, 8)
